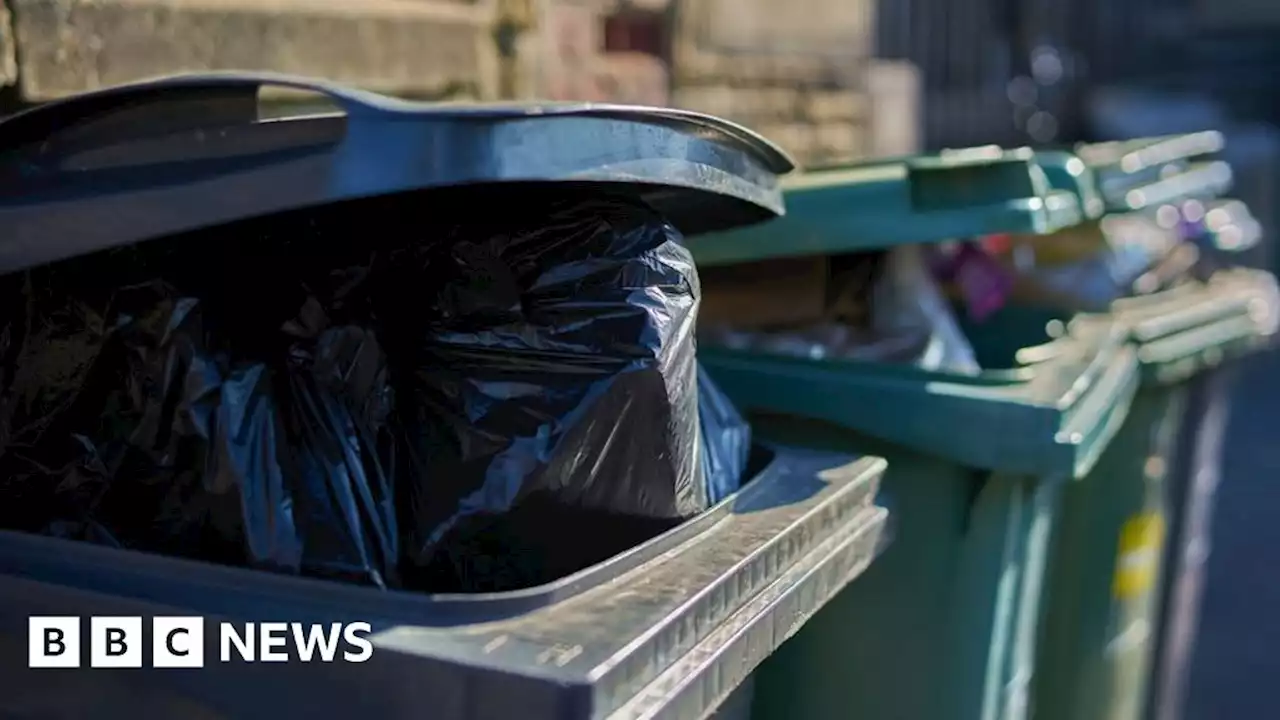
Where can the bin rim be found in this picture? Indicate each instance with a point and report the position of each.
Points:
(185, 152)
(1068, 172)
(1138, 154)
(1196, 326)
(1197, 181)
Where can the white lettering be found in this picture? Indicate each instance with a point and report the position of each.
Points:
(317, 637)
(272, 637)
(358, 641)
(242, 643)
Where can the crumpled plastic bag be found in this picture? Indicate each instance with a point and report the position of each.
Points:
(555, 361)
(142, 416)
(726, 440)
(412, 403)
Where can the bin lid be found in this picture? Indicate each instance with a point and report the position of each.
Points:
(1198, 325)
(166, 156)
(1134, 156)
(1229, 226)
(1196, 181)
(880, 204)
(1067, 172)
(1125, 165)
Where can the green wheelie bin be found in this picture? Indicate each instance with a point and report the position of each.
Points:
(1103, 609)
(943, 624)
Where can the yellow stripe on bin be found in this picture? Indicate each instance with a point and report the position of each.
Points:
(1141, 543)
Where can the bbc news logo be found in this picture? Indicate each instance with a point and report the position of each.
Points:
(179, 642)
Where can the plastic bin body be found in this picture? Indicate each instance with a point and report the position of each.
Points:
(1121, 522)
(934, 629)
(1099, 637)
(944, 624)
(1160, 170)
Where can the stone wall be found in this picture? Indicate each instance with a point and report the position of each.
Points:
(566, 57)
(794, 70)
(8, 60)
(422, 48)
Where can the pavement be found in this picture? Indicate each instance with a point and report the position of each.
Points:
(1235, 671)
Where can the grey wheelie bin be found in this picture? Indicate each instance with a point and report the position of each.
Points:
(943, 625)
(630, 617)
(1100, 639)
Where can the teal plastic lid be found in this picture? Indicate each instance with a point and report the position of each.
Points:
(1132, 157)
(1132, 172)
(878, 205)
(1197, 181)
(1068, 172)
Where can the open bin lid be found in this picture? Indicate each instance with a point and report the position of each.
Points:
(1228, 226)
(1068, 172)
(1196, 326)
(877, 205)
(166, 156)
(1124, 167)
(1196, 181)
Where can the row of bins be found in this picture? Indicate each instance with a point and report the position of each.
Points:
(957, 501)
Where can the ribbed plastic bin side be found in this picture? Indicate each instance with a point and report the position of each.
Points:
(1121, 542)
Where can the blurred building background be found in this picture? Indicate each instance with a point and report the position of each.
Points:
(822, 77)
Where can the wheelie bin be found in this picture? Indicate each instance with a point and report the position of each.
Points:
(1102, 612)
(667, 625)
(943, 625)
(1222, 230)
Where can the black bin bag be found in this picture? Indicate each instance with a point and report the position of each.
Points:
(476, 403)
(554, 373)
(195, 404)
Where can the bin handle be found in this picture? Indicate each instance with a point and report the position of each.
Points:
(171, 104)
(199, 101)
